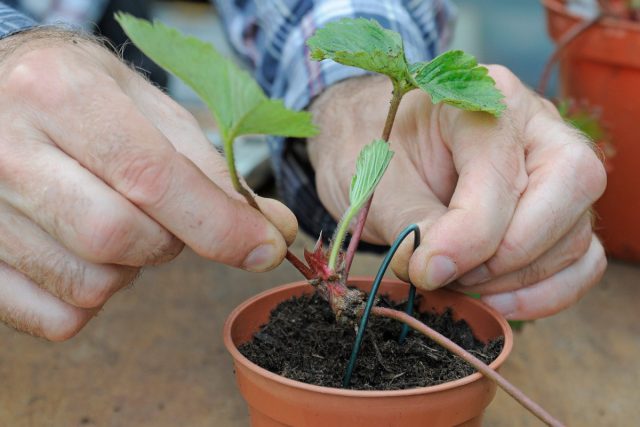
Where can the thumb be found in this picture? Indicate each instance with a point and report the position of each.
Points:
(489, 160)
(280, 216)
(401, 199)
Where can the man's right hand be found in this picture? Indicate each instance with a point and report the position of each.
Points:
(100, 175)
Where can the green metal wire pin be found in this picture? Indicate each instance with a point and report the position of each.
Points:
(413, 228)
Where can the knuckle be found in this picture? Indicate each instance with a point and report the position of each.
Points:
(64, 325)
(549, 107)
(144, 178)
(533, 273)
(100, 285)
(508, 82)
(54, 270)
(579, 243)
(90, 293)
(37, 76)
(14, 171)
(600, 265)
(107, 239)
(169, 248)
(512, 251)
(587, 166)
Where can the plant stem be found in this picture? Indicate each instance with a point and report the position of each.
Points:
(237, 185)
(398, 93)
(339, 236)
(563, 42)
(233, 172)
(355, 237)
(299, 265)
(479, 365)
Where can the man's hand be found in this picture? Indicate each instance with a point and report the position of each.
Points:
(503, 204)
(100, 175)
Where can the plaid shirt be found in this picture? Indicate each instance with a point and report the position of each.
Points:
(271, 35)
(12, 21)
(74, 13)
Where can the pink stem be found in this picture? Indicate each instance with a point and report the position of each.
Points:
(355, 237)
(362, 215)
(479, 365)
(299, 265)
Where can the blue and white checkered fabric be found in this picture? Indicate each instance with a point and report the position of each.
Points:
(11, 21)
(271, 36)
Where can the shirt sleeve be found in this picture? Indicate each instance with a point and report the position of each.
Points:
(271, 37)
(12, 21)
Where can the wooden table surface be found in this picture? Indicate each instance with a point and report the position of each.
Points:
(154, 356)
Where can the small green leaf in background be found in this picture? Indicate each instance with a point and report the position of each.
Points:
(237, 102)
(517, 325)
(582, 118)
(361, 43)
(456, 78)
(371, 165)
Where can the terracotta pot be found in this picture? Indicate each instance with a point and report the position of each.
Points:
(602, 67)
(277, 401)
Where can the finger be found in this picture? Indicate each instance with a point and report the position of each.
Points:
(413, 202)
(28, 308)
(113, 140)
(183, 131)
(568, 250)
(29, 250)
(79, 210)
(565, 178)
(280, 216)
(489, 158)
(555, 293)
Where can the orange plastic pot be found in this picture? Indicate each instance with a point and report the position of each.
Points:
(602, 67)
(277, 401)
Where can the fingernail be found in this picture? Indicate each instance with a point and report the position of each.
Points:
(261, 258)
(476, 276)
(504, 303)
(440, 271)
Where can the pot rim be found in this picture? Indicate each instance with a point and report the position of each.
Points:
(558, 6)
(240, 358)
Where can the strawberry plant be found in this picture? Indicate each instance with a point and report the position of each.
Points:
(240, 107)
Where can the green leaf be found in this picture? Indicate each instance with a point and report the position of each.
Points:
(517, 325)
(371, 164)
(456, 78)
(361, 43)
(237, 102)
(370, 167)
(273, 118)
(582, 118)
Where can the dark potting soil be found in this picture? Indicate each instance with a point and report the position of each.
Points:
(302, 341)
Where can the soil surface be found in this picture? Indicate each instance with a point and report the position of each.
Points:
(302, 341)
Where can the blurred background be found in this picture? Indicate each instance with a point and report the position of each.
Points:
(154, 356)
